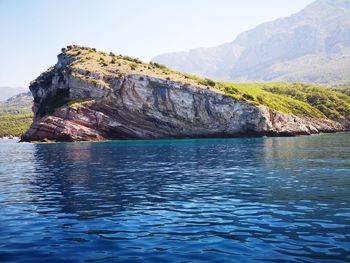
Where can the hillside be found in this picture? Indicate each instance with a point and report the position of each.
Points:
(93, 95)
(312, 46)
(8, 92)
(299, 99)
(16, 115)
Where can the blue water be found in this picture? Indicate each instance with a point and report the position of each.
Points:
(217, 200)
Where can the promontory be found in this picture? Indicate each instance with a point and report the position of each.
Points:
(91, 95)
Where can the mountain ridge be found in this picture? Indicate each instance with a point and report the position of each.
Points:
(311, 46)
(8, 92)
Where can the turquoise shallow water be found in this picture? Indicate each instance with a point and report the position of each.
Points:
(217, 200)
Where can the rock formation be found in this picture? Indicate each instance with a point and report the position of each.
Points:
(92, 96)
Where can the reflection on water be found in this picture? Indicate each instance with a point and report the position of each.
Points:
(274, 199)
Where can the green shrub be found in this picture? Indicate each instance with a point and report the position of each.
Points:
(248, 97)
(160, 66)
(298, 99)
(14, 124)
(207, 82)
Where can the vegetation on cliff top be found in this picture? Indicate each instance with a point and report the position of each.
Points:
(303, 100)
(344, 89)
(299, 99)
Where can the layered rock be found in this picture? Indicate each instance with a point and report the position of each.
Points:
(79, 104)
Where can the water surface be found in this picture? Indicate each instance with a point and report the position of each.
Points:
(218, 200)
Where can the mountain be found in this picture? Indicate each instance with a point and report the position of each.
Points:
(20, 103)
(312, 46)
(16, 114)
(90, 95)
(7, 92)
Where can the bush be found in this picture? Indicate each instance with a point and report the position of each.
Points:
(133, 66)
(157, 65)
(260, 99)
(113, 61)
(135, 60)
(112, 54)
(210, 82)
(248, 97)
(207, 82)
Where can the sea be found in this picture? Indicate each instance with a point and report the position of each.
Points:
(192, 200)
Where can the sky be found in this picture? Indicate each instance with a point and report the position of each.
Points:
(34, 31)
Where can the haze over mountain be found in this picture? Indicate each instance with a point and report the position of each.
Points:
(8, 92)
(311, 46)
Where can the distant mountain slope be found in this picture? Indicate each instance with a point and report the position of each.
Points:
(16, 114)
(310, 46)
(20, 103)
(7, 92)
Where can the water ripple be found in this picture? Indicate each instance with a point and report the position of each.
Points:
(240, 200)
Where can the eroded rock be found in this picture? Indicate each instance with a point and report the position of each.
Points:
(78, 105)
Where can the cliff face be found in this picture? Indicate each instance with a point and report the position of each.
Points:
(82, 103)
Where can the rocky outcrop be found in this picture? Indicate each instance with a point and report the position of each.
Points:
(75, 104)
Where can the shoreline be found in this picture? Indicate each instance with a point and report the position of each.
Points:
(247, 136)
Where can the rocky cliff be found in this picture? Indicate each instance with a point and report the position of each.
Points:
(92, 96)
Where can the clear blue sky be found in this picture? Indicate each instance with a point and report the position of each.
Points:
(34, 31)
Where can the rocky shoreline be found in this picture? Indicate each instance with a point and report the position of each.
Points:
(75, 104)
